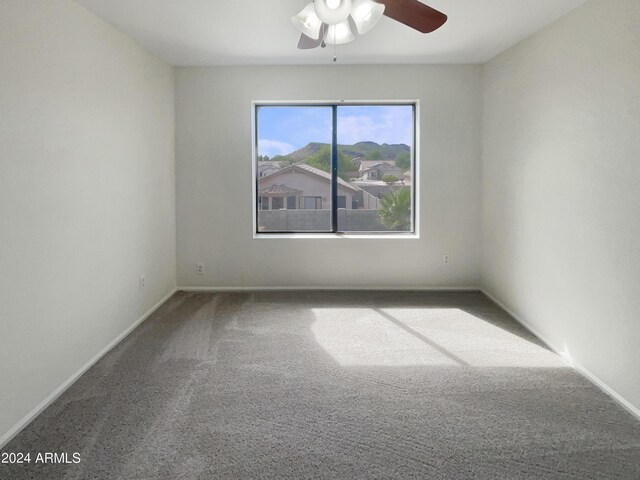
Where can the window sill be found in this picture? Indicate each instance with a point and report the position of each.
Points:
(328, 236)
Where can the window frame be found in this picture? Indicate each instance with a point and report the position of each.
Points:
(415, 171)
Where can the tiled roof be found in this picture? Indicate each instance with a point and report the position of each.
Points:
(315, 171)
(324, 174)
(279, 190)
(366, 164)
(381, 166)
(269, 163)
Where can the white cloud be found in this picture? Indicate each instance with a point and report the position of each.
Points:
(274, 147)
(390, 126)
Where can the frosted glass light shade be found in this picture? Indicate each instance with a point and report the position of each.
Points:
(308, 22)
(333, 16)
(365, 14)
(340, 33)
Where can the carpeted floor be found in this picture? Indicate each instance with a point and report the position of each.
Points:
(332, 385)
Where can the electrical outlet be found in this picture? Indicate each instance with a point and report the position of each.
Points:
(142, 281)
(445, 259)
(200, 268)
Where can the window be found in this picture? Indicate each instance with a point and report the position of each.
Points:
(312, 203)
(312, 160)
(277, 203)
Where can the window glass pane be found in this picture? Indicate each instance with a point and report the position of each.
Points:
(311, 203)
(277, 203)
(293, 165)
(375, 166)
(375, 178)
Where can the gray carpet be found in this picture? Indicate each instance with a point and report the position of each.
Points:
(332, 385)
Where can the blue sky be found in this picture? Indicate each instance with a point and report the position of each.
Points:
(282, 130)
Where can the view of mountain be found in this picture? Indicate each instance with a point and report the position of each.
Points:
(360, 149)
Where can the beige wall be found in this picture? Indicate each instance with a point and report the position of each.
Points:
(214, 212)
(86, 194)
(561, 180)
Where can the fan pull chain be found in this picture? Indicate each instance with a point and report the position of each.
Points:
(335, 47)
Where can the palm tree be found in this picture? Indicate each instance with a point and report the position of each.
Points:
(395, 213)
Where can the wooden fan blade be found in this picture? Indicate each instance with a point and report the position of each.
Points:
(414, 14)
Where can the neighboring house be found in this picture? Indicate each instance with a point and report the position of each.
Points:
(376, 188)
(267, 168)
(363, 164)
(301, 187)
(371, 174)
(379, 170)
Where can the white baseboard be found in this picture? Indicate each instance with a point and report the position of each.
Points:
(329, 288)
(17, 428)
(569, 361)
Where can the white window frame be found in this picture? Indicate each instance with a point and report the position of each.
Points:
(414, 235)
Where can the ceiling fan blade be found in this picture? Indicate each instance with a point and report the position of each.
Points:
(307, 43)
(414, 14)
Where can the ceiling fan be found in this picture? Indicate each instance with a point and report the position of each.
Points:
(332, 21)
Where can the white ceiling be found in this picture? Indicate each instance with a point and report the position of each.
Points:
(256, 32)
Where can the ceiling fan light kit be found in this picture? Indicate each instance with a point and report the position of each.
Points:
(365, 14)
(333, 12)
(308, 22)
(340, 33)
(328, 21)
